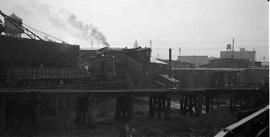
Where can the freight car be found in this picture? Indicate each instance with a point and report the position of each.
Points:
(100, 75)
(220, 77)
(42, 77)
(28, 62)
(55, 77)
(22, 52)
(251, 77)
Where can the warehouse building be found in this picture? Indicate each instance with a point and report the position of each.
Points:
(241, 54)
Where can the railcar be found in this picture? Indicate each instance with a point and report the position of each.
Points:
(221, 77)
(22, 52)
(44, 76)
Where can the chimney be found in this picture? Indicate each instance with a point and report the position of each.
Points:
(170, 62)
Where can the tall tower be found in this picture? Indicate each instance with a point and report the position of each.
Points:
(136, 44)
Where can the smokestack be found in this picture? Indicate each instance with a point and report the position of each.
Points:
(170, 62)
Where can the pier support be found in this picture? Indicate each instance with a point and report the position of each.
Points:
(124, 108)
(198, 105)
(218, 102)
(34, 104)
(211, 102)
(123, 113)
(231, 103)
(159, 105)
(207, 103)
(191, 104)
(85, 110)
(2, 115)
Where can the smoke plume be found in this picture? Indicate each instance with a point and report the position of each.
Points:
(88, 32)
(61, 19)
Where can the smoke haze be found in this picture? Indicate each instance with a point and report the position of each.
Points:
(198, 28)
(89, 32)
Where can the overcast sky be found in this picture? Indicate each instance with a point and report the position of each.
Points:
(198, 27)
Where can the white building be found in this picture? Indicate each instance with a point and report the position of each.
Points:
(241, 54)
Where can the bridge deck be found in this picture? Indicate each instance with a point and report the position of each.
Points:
(129, 91)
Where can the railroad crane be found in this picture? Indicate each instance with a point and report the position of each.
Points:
(15, 24)
(2, 28)
(34, 59)
(39, 61)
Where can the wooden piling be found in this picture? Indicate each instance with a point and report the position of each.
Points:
(81, 109)
(90, 113)
(124, 108)
(185, 105)
(151, 106)
(2, 114)
(231, 103)
(117, 108)
(198, 106)
(181, 102)
(167, 108)
(55, 105)
(156, 106)
(211, 102)
(36, 108)
(218, 102)
(160, 106)
(207, 103)
(190, 105)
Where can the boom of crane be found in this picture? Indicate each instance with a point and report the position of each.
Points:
(2, 28)
(25, 30)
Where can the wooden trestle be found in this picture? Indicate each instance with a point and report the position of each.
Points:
(191, 102)
(159, 106)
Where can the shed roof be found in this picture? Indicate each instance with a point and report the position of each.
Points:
(155, 61)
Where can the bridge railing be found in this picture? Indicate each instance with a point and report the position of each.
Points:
(255, 125)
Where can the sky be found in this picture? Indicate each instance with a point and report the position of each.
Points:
(198, 27)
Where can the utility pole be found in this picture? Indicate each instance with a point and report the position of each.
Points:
(178, 59)
(179, 54)
(150, 47)
(233, 47)
(151, 44)
(92, 44)
(263, 61)
(254, 56)
(170, 62)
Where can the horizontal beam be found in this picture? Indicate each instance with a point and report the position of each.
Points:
(180, 91)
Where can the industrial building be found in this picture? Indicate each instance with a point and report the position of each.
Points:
(241, 54)
(47, 86)
(196, 60)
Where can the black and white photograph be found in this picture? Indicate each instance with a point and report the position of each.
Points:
(134, 68)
